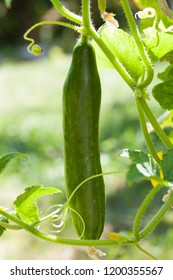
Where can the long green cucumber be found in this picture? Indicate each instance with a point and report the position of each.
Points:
(81, 109)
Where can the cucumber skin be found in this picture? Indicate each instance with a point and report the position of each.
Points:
(81, 109)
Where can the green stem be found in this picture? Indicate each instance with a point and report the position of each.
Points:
(84, 38)
(146, 134)
(143, 207)
(144, 55)
(55, 239)
(164, 138)
(145, 252)
(66, 13)
(9, 226)
(157, 218)
(86, 13)
(110, 55)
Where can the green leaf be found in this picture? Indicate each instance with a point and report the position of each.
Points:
(167, 74)
(168, 57)
(166, 119)
(26, 206)
(4, 160)
(123, 47)
(160, 43)
(2, 229)
(163, 93)
(133, 175)
(143, 166)
(167, 165)
(142, 4)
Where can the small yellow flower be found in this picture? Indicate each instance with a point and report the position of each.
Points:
(116, 236)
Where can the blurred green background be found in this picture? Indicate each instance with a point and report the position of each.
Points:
(31, 123)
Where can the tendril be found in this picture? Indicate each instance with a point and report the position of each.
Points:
(56, 218)
(80, 217)
(36, 49)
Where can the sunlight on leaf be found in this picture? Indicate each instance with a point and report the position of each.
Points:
(167, 119)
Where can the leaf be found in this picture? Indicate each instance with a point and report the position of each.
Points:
(167, 165)
(123, 47)
(167, 74)
(133, 175)
(163, 93)
(2, 229)
(168, 57)
(4, 160)
(25, 204)
(143, 166)
(159, 43)
(166, 119)
(141, 4)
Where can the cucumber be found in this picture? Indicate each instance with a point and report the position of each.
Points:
(81, 109)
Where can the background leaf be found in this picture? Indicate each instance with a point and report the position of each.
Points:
(5, 159)
(160, 43)
(163, 93)
(167, 165)
(133, 175)
(2, 229)
(166, 121)
(25, 204)
(167, 74)
(142, 167)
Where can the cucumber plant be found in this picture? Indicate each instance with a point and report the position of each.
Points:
(148, 41)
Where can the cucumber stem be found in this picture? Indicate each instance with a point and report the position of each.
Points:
(136, 35)
(146, 134)
(66, 13)
(59, 240)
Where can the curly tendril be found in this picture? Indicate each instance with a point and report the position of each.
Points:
(146, 13)
(36, 49)
(56, 218)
